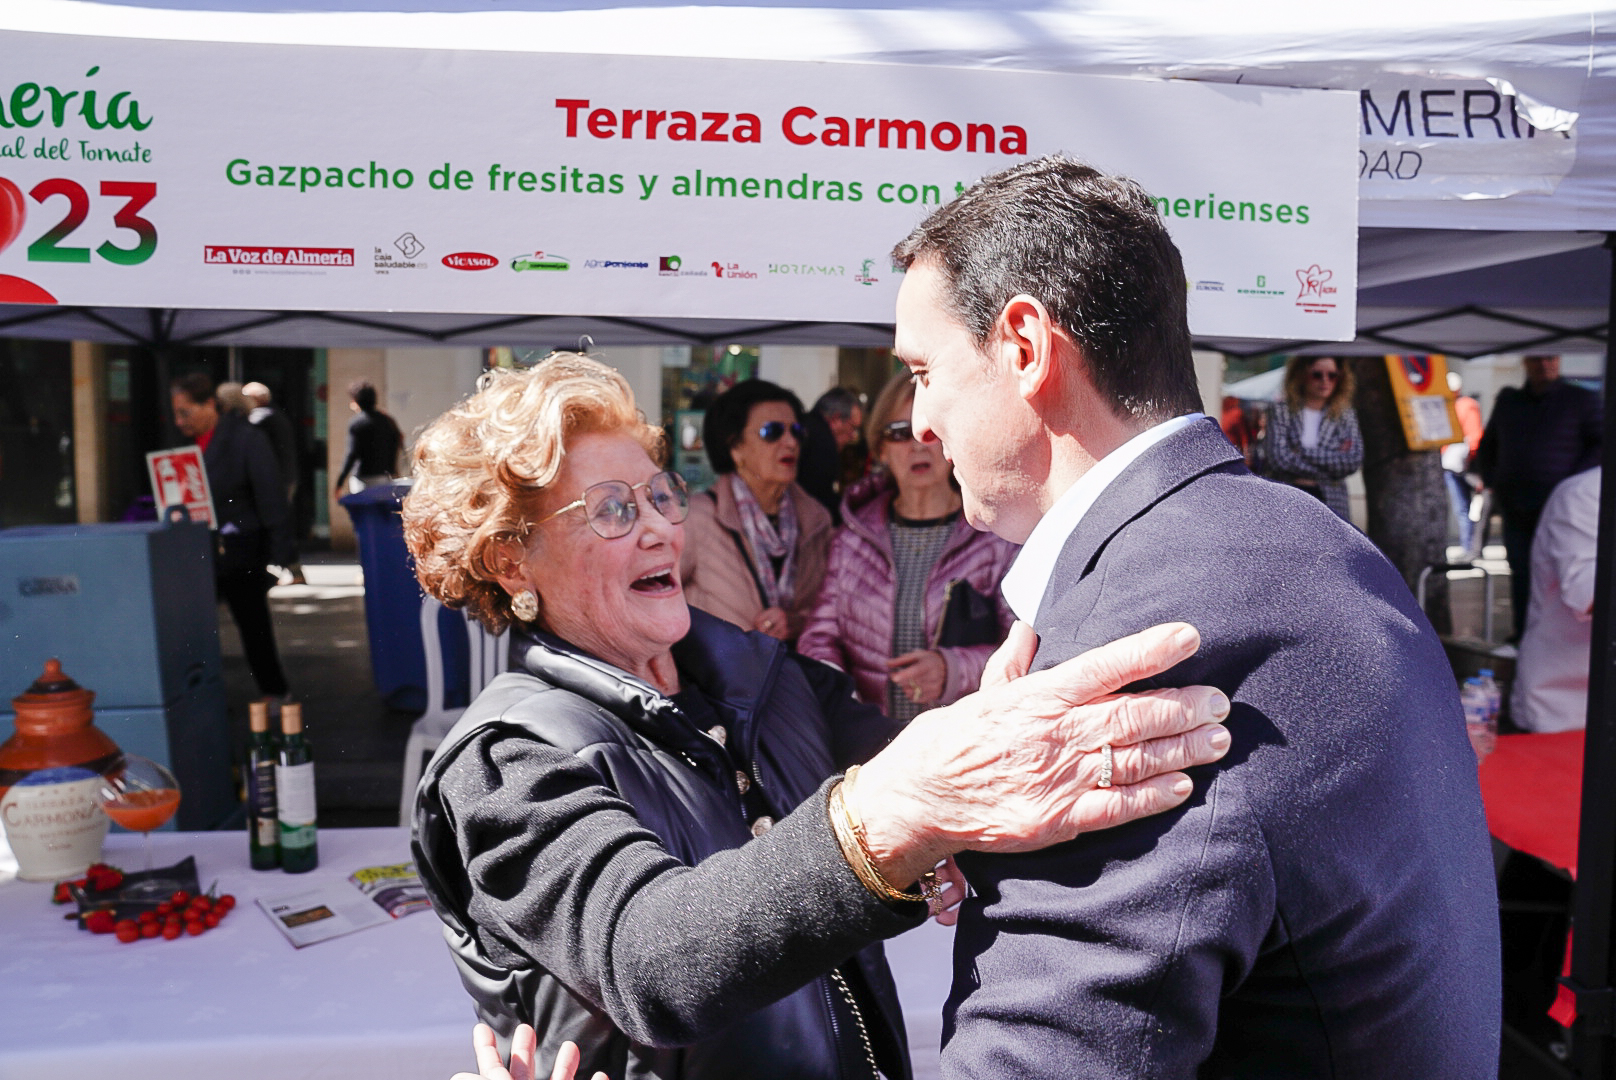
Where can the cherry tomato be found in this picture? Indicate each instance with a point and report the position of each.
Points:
(127, 931)
(150, 929)
(227, 901)
(180, 898)
(100, 922)
(172, 931)
(195, 928)
(146, 917)
(165, 907)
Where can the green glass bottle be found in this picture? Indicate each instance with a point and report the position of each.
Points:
(294, 794)
(263, 820)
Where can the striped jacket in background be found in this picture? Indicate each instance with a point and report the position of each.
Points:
(851, 626)
(1338, 455)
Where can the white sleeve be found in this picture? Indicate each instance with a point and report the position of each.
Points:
(1572, 533)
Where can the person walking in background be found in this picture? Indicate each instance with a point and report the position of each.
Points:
(911, 607)
(254, 521)
(374, 442)
(1538, 435)
(1456, 457)
(1313, 438)
(264, 416)
(1551, 675)
(830, 427)
(757, 540)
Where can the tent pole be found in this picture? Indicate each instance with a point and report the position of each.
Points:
(1591, 958)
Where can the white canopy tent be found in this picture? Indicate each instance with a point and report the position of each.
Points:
(1553, 56)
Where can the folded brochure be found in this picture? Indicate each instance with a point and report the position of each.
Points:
(396, 888)
(370, 897)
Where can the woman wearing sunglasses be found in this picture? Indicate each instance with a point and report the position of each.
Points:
(911, 607)
(757, 540)
(1313, 438)
(637, 838)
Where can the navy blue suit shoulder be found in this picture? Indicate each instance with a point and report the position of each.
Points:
(1323, 906)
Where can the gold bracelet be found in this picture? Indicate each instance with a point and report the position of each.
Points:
(849, 832)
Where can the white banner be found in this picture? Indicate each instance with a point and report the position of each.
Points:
(1446, 138)
(184, 174)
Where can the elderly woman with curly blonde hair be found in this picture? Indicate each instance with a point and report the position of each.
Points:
(640, 838)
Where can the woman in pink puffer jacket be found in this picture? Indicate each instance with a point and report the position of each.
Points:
(904, 548)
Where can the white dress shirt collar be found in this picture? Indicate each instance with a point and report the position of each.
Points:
(1028, 577)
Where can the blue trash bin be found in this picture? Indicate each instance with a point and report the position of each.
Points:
(393, 606)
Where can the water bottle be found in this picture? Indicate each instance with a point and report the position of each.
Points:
(1481, 725)
(1495, 696)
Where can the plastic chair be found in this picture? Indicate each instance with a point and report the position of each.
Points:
(490, 655)
(1481, 512)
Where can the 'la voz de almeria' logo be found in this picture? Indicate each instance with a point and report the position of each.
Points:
(1316, 294)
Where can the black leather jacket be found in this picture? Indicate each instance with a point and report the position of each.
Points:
(588, 851)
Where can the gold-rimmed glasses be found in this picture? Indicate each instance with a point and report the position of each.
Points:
(611, 507)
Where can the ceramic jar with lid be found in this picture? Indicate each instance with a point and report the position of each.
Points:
(50, 779)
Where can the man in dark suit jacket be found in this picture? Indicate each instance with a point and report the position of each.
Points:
(254, 526)
(1323, 906)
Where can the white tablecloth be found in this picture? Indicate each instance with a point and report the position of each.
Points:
(239, 1003)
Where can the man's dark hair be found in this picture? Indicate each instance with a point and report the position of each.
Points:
(837, 403)
(196, 386)
(1092, 249)
(725, 421)
(363, 394)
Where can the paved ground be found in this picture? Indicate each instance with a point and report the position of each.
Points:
(358, 741)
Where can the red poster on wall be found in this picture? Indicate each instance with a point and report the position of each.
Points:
(178, 478)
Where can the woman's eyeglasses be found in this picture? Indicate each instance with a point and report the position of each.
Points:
(898, 431)
(774, 429)
(611, 508)
(1323, 376)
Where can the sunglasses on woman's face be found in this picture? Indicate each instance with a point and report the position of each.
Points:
(774, 429)
(898, 431)
(611, 508)
(1323, 376)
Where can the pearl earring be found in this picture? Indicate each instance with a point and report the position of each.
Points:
(525, 605)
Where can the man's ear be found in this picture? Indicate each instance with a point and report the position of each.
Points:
(1026, 335)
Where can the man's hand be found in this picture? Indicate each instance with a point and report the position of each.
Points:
(524, 1044)
(1016, 767)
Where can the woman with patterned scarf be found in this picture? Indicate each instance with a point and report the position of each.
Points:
(757, 542)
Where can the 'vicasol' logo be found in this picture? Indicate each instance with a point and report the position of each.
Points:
(28, 105)
(470, 260)
(541, 260)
